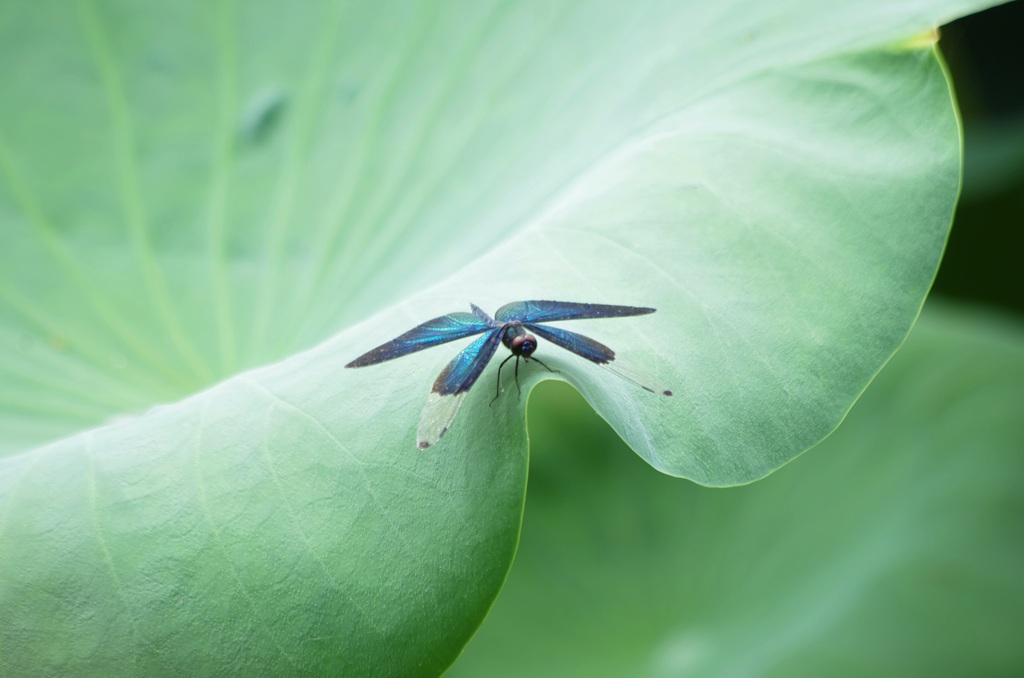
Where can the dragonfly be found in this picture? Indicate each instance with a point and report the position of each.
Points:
(514, 325)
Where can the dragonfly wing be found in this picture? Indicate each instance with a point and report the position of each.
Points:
(636, 376)
(598, 353)
(440, 330)
(583, 346)
(539, 311)
(482, 315)
(451, 387)
(463, 371)
(438, 414)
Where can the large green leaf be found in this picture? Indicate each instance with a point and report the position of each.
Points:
(189, 190)
(244, 533)
(892, 549)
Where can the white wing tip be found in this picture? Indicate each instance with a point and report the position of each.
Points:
(437, 417)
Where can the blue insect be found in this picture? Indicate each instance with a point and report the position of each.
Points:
(508, 326)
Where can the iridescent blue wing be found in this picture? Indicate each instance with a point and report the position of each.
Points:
(463, 371)
(451, 387)
(544, 311)
(440, 330)
(597, 352)
(583, 346)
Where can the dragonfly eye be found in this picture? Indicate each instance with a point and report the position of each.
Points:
(528, 345)
(524, 345)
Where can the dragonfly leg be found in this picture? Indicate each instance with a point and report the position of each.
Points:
(518, 390)
(544, 366)
(498, 390)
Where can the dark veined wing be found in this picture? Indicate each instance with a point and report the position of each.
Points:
(583, 346)
(434, 332)
(539, 311)
(451, 387)
(597, 352)
(463, 371)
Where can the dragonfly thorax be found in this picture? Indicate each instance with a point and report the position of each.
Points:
(518, 341)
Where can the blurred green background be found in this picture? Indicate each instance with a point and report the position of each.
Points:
(896, 547)
(982, 264)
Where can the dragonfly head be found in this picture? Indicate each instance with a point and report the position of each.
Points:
(524, 345)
